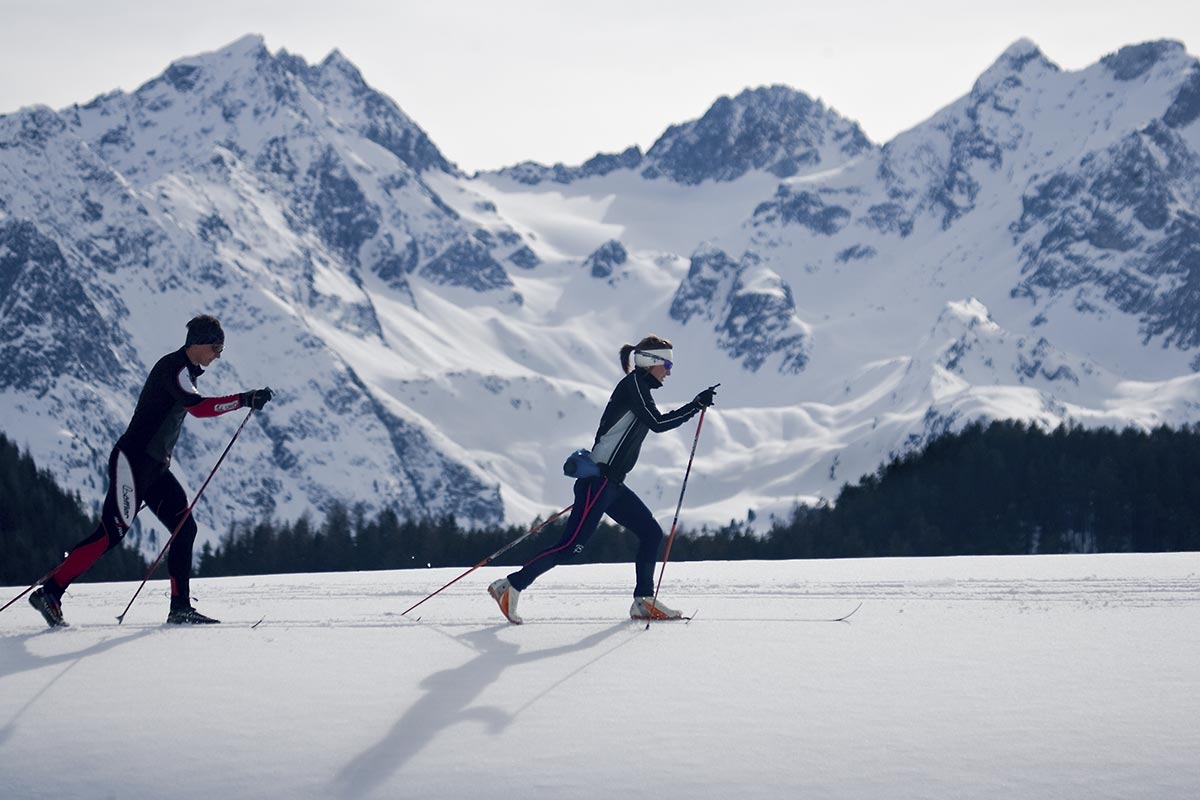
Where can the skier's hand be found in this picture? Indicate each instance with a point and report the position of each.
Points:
(257, 398)
(708, 397)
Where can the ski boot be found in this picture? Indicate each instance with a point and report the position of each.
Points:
(186, 615)
(649, 608)
(48, 607)
(506, 597)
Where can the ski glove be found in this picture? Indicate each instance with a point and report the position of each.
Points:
(707, 398)
(256, 398)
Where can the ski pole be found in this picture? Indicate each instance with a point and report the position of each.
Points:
(32, 586)
(678, 506)
(184, 518)
(491, 558)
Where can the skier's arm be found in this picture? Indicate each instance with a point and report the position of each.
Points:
(649, 415)
(213, 406)
(184, 391)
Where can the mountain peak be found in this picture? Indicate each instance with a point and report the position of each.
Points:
(772, 128)
(1015, 60)
(31, 125)
(338, 62)
(252, 44)
(251, 48)
(243, 79)
(1135, 60)
(1020, 50)
(184, 74)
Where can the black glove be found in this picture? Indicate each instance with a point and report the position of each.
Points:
(256, 398)
(707, 398)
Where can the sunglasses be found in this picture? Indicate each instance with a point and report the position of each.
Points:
(217, 348)
(666, 362)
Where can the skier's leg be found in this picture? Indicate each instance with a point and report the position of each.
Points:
(166, 498)
(120, 507)
(592, 496)
(628, 510)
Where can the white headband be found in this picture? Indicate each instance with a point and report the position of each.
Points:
(651, 358)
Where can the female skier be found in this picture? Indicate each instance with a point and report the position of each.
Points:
(629, 415)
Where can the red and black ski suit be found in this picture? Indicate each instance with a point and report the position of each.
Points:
(628, 417)
(139, 474)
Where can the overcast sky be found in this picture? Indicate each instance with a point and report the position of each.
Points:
(495, 82)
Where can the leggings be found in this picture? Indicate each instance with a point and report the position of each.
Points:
(595, 497)
(133, 481)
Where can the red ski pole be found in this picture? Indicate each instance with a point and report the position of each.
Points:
(183, 519)
(678, 506)
(32, 586)
(491, 558)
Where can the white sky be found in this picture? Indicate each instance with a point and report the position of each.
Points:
(496, 82)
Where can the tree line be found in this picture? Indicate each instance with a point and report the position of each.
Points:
(1000, 488)
(1007, 488)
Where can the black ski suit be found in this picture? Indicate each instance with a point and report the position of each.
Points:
(138, 473)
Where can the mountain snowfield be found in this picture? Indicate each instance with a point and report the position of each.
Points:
(439, 342)
(1037, 677)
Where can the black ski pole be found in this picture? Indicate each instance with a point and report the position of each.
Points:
(491, 558)
(183, 519)
(678, 506)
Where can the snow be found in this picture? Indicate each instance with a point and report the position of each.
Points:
(643, 214)
(1027, 677)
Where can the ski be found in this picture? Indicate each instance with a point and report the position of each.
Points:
(845, 617)
(789, 620)
(842, 618)
(97, 625)
(62, 626)
(684, 618)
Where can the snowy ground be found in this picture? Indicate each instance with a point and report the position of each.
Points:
(1037, 677)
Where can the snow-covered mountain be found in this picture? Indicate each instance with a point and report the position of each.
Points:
(440, 341)
(773, 129)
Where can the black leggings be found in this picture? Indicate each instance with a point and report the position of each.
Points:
(133, 481)
(595, 497)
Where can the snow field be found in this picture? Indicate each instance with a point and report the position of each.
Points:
(1033, 677)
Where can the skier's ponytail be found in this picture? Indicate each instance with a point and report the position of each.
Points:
(625, 351)
(649, 343)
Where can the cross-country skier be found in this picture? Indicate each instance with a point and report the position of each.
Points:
(139, 471)
(630, 414)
